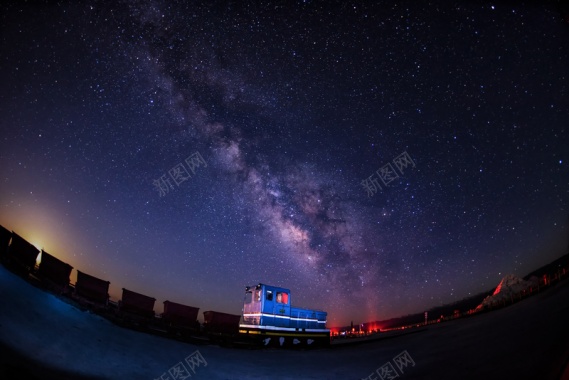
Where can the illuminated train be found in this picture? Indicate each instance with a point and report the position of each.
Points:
(268, 319)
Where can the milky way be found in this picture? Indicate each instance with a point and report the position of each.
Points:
(293, 108)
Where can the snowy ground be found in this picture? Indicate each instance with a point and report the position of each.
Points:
(45, 337)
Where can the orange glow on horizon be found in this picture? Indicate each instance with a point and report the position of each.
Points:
(46, 230)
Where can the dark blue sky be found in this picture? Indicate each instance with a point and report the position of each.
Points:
(291, 107)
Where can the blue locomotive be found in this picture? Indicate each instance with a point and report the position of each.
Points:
(269, 318)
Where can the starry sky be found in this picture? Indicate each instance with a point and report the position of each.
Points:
(377, 160)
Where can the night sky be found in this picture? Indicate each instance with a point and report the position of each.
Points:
(377, 160)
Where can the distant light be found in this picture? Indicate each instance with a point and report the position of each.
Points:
(560, 161)
(492, 7)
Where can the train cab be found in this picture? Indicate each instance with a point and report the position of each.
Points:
(268, 313)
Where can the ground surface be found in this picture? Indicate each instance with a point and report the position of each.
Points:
(46, 338)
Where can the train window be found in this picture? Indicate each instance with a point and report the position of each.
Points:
(282, 297)
(269, 295)
(248, 297)
(257, 295)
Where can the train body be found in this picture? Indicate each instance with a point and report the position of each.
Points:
(270, 319)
